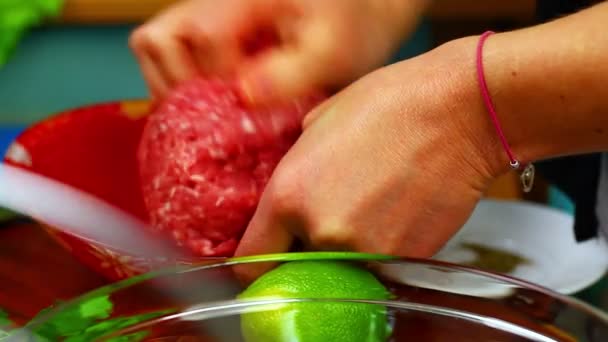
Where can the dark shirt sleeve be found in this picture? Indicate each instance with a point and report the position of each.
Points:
(577, 176)
(550, 9)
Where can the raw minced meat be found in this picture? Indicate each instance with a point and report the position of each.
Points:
(205, 159)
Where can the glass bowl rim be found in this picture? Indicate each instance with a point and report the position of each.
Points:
(215, 263)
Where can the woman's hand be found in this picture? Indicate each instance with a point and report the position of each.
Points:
(394, 164)
(309, 44)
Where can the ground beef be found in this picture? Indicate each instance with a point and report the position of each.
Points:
(205, 158)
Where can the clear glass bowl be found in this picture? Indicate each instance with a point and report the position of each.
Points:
(432, 301)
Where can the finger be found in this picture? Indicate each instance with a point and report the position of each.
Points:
(215, 42)
(264, 235)
(175, 60)
(151, 73)
(300, 66)
(215, 57)
(278, 75)
(144, 42)
(219, 42)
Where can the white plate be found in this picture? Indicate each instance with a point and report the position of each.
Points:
(541, 234)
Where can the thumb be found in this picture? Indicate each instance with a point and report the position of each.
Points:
(284, 73)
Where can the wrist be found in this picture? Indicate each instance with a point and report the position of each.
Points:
(550, 101)
(472, 119)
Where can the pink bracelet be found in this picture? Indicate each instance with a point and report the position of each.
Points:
(527, 174)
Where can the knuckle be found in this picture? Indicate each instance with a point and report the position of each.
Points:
(140, 38)
(284, 194)
(285, 200)
(191, 31)
(331, 235)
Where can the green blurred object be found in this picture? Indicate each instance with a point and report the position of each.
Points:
(85, 321)
(6, 215)
(17, 16)
(5, 323)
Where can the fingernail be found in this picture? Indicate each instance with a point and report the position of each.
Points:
(256, 91)
(247, 92)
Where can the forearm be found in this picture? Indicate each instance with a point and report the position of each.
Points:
(549, 85)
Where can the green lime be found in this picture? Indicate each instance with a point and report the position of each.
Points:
(317, 321)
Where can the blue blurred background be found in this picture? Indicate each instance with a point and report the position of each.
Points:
(62, 67)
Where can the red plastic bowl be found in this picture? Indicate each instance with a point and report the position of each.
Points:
(92, 148)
